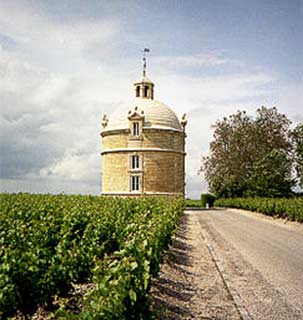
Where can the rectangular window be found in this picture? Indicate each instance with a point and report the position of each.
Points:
(145, 92)
(135, 162)
(138, 91)
(136, 128)
(134, 183)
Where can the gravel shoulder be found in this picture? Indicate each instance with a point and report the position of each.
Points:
(189, 285)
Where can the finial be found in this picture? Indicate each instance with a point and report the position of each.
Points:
(184, 121)
(145, 50)
(104, 121)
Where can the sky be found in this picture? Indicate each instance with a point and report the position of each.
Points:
(63, 64)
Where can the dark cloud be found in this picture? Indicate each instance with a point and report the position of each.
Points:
(24, 146)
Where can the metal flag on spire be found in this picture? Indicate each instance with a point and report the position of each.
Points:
(145, 50)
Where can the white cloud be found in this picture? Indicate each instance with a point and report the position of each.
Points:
(193, 92)
(44, 114)
(290, 101)
(73, 166)
(197, 60)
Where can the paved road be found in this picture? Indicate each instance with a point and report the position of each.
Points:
(263, 260)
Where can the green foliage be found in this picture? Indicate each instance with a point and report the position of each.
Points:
(271, 176)
(244, 149)
(207, 198)
(189, 203)
(286, 208)
(297, 140)
(48, 242)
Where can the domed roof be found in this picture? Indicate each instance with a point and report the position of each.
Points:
(156, 115)
(143, 79)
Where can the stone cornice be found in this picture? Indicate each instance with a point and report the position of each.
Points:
(114, 131)
(121, 150)
(163, 129)
(125, 194)
(127, 130)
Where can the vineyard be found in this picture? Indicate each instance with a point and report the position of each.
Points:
(291, 209)
(49, 244)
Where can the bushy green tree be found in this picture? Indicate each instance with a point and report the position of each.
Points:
(240, 142)
(271, 176)
(297, 140)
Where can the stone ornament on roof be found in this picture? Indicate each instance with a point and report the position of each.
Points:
(184, 121)
(104, 121)
(135, 114)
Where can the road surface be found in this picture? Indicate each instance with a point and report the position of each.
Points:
(262, 259)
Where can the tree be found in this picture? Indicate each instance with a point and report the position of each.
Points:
(240, 142)
(296, 136)
(271, 176)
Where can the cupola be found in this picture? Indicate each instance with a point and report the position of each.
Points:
(144, 87)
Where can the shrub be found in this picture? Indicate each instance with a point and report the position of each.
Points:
(291, 208)
(207, 198)
(189, 203)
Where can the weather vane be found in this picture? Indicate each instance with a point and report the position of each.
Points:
(145, 50)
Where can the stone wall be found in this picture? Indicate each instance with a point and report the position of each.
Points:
(150, 138)
(164, 172)
(115, 172)
(161, 156)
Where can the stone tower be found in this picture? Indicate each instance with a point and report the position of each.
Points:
(143, 147)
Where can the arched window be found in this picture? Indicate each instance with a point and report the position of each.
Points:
(145, 92)
(138, 91)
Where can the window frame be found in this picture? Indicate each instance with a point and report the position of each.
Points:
(134, 183)
(136, 128)
(146, 91)
(135, 161)
(138, 91)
